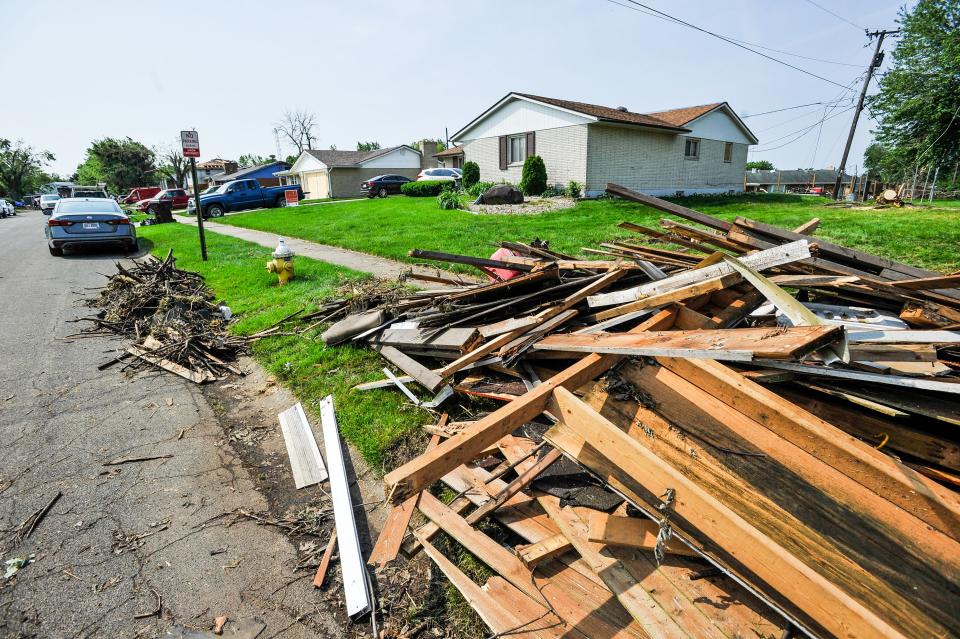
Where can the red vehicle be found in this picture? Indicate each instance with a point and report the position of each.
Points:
(170, 198)
(140, 193)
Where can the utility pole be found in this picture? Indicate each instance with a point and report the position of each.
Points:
(875, 63)
(934, 185)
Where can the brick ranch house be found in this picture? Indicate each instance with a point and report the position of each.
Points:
(701, 149)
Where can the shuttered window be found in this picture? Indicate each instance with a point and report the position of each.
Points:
(517, 149)
(691, 149)
(728, 152)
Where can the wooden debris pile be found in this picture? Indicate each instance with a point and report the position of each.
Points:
(172, 318)
(754, 435)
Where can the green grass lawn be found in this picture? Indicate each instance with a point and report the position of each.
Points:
(926, 236)
(373, 421)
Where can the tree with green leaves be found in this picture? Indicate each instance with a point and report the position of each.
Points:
(533, 177)
(368, 146)
(21, 168)
(123, 163)
(252, 159)
(760, 165)
(89, 172)
(918, 105)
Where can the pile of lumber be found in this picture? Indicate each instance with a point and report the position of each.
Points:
(751, 435)
(172, 318)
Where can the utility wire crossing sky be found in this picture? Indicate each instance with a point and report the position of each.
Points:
(399, 72)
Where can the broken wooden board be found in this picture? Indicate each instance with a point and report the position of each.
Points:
(306, 463)
(631, 532)
(198, 377)
(423, 375)
(811, 600)
(737, 344)
(420, 472)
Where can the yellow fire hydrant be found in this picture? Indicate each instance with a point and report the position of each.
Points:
(282, 263)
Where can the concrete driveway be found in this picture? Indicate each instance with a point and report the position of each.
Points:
(138, 549)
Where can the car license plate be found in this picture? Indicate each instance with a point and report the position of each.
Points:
(91, 226)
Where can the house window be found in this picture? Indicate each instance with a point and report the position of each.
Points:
(457, 161)
(691, 149)
(728, 152)
(517, 149)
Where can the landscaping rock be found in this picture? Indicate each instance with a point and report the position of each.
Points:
(501, 194)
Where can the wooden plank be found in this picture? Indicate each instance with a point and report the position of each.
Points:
(735, 344)
(882, 336)
(171, 367)
(544, 550)
(306, 464)
(507, 326)
(808, 227)
(321, 575)
(420, 472)
(700, 518)
(665, 237)
(496, 617)
(874, 470)
(455, 339)
(709, 237)
(657, 621)
(880, 432)
(835, 251)
(776, 256)
(631, 532)
(667, 207)
(535, 618)
(882, 352)
(928, 283)
(395, 527)
(424, 376)
(522, 480)
(676, 295)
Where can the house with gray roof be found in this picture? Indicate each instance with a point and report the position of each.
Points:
(700, 149)
(265, 174)
(333, 173)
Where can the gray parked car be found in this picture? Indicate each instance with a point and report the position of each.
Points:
(83, 220)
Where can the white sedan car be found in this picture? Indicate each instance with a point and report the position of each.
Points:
(440, 173)
(6, 208)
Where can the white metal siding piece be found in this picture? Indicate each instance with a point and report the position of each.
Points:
(305, 460)
(401, 158)
(355, 584)
(718, 125)
(784, 254)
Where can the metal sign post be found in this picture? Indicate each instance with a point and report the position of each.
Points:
(190, 141)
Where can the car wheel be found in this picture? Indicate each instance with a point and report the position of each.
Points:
(382, 192)
(281, 202)
(57, 252)
(215, 210)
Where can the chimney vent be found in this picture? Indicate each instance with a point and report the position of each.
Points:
(622, 108)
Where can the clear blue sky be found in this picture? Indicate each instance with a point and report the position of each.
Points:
(395, 72)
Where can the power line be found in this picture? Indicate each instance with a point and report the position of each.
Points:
(799, 106)
(837, 16)
(730, 41)
(803, 132)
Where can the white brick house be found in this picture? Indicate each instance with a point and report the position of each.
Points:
(700, 149)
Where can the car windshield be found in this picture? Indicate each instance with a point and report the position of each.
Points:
(49, 198)
(223, 187)
(100, 206)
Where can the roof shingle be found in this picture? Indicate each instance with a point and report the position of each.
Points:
(607, 113)
(332, 157)
(680, 117)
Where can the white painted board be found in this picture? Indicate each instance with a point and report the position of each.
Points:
(356, 588)
(305, 460)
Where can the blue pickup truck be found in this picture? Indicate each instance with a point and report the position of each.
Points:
(240, 195)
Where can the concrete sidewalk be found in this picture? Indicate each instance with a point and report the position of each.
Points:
(379, 266)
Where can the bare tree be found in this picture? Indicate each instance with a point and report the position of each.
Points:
(298, 127)
(174, 166)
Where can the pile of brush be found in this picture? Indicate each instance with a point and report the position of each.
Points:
(171, 316)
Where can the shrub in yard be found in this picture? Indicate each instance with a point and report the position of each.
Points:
(471, 174)
(427, 188)
(479, 188)
(533, 179)
(449, 200)
(552, 191)
(574, 189)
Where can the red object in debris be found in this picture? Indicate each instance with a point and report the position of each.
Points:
(502, 273)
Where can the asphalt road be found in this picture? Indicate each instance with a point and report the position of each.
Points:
(122, 539)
